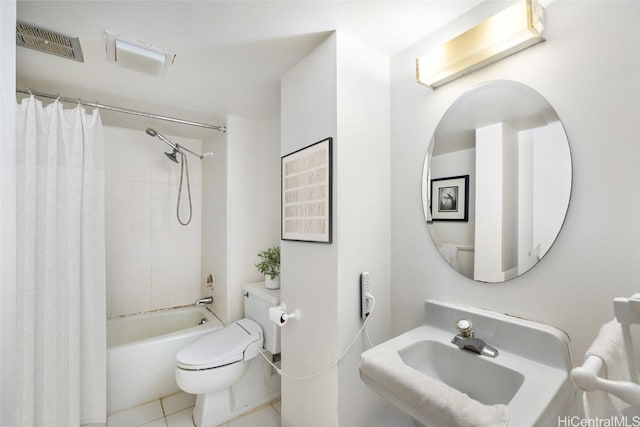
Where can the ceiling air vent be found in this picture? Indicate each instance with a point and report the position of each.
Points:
(48, 41)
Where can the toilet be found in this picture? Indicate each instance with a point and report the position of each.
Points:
(211, 365)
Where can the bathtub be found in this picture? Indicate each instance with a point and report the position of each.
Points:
(141, 352)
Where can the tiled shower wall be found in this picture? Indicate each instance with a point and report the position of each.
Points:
(214, 224)
(152, 261)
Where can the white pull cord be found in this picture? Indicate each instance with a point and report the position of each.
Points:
(284, 374)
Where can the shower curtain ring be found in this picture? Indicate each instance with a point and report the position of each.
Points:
(29, 90)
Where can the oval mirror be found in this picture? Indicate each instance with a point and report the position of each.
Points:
(496, 181)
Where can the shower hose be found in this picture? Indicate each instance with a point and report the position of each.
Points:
(184, 170)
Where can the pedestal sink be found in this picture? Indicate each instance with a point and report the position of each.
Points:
(527, 384)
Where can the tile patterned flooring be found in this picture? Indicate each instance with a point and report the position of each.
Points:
(175, 411)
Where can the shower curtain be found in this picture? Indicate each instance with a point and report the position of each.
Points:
(61, 297)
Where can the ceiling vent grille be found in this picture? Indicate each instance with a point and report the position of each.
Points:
(48, 41)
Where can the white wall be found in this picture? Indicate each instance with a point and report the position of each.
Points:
(590, 73)
(214, 223)
(253, 221)
(510, 190)
(362, 232)
(7, 211)
(490, 211)
(339, 90)
(153, 262)
(550, 165)
(309, 270)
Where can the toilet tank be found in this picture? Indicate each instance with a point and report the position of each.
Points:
(257, 301)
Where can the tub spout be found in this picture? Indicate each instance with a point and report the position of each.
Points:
(205, 300)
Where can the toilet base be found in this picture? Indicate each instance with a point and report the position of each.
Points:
(213, 408)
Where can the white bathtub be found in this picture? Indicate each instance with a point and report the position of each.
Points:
(141, 352)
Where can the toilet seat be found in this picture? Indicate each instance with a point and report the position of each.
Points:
(222, 347)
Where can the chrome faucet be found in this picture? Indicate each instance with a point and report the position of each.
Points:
(466, 340)
(205, 300)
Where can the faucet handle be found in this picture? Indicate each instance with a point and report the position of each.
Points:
(465, 328)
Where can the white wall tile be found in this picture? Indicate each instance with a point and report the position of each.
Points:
(141, 221)
(119, 173)
(159, 297)
(121, 189)
(141, 288)
(140, 304)
(185, 296)
(152, 261)
(141, 190)
(141, 174)
(162, 191)
(163, 206)
(119, 307)
(159, 175)
(139, 205)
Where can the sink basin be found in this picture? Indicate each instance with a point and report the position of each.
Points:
(432, 380)
(476, 376)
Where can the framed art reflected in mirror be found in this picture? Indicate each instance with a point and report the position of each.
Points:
(450, 201)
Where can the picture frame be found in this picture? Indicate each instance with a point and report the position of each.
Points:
(306, 193)
(450, 198)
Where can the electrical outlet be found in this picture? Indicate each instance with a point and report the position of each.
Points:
(365, 301)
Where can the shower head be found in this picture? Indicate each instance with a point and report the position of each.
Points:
(172, 156)
(152, 132)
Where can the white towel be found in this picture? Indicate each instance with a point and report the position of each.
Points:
(608, 346)
(432, 398)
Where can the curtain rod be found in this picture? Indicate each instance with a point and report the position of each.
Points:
(120, 110)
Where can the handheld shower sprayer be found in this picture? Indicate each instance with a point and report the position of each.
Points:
(161, 137)
(174, 146)
(184, 167)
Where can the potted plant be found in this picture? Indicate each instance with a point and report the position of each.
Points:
(269, 265)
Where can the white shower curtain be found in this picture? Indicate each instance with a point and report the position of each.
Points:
(61, 301)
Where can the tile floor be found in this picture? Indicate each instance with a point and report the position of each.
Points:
(175, 411)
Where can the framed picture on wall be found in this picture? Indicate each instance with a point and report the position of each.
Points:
(449, 198)
(306, 193)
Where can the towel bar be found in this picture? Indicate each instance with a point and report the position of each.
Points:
(627, 311)
(586, 377)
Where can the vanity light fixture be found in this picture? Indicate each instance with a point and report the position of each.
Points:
(516, 28)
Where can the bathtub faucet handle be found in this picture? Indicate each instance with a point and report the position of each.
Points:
(205, 300)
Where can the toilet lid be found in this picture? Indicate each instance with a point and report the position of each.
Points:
(221, 347)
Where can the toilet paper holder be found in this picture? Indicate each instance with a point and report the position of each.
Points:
(279, 315)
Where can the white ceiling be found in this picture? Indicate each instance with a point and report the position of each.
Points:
(230, 54)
